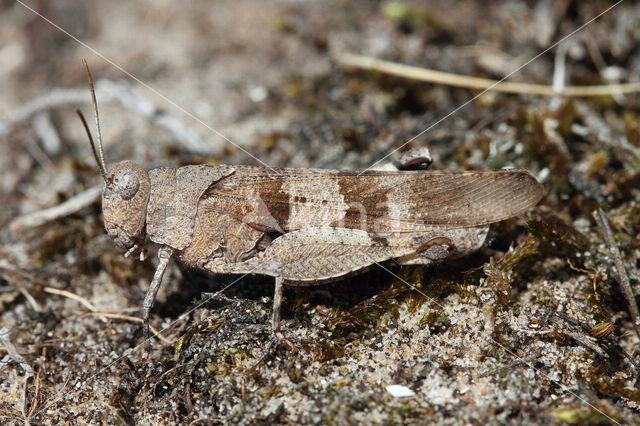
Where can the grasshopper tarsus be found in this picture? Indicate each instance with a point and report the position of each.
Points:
(283, 340)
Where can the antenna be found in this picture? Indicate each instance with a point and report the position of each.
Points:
(103, 171)
(98, 151)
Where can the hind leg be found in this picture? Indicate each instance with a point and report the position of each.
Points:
(275, 315)
(447, 244)
(414, 159)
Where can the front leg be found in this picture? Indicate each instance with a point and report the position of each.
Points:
(164, 254)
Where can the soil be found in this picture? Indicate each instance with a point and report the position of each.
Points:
(535, 327)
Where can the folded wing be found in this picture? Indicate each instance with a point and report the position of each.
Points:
(289, 199)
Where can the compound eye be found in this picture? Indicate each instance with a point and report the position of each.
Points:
(127, 184)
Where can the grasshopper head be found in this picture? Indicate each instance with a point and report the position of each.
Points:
(124, 203)
(126, 189)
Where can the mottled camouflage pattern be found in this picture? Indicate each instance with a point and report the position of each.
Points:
(303, 226)
(307, 226)
(215, 217)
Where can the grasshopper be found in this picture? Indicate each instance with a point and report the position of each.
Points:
(302, 226)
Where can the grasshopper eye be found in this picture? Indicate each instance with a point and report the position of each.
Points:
(127, 184)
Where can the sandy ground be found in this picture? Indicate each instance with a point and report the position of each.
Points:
(501, 336)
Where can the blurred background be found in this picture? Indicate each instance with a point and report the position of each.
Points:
(248, 82)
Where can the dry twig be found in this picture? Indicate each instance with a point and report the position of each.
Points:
(456, 80)
(75, 297)
(155, 332)
(36, 396)
(13, 276)
(115, 93)
(13, 352)
(586, 341)
(72, 205)
(102, 315)
(618, 266)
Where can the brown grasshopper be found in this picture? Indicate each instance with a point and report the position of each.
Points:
(303, 226)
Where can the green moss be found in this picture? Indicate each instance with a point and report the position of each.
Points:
(330, 350)
(585, 415)
(295, 373)
(556, 238)
(566, 116)
(626, 218)
(183, 341)
(615, 387)
(501, 273)
(212, 368)
(407, 14)
(597, 162)
(435, 320)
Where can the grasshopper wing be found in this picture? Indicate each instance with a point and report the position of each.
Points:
(286, 200)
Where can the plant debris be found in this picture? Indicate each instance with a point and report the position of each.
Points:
(533, 328)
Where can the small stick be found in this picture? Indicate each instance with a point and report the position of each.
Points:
(47, 133)
(102, 315)
(36, 152)
(13, 352)
(536, 353)
(72, 205)
(116, 93)
(586, 341)
(207, 420)
(618, 266)
(6, 270)
(155, 332)
(75, 297)
(456, 80)
(32, 410)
